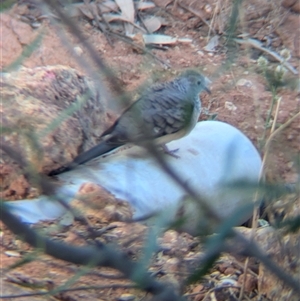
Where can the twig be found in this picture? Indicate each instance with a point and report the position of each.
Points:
(74, 269)
(213, 18)
(96, 18)
(267, 147)
(75, 31)
(255, 209)
(244, 279)
(129, 41)
(93, 53)
(256, 44)
(198, 14)
(261, 173)
(102, 17)
(269, 114)
(276, 115)
(80, 288)
(252, 249)
(142, 21)
(241, 265)
(277, 131)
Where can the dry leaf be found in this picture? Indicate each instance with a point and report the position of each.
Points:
(152, 24)
(114, 17)
(163, 21)
(230, 106)
(145, 5)
(73, 10)
(159, 39)
(127, 9)
(86, 12)
(184, 40)
(212, 44)
(108, 6)
(162, 3)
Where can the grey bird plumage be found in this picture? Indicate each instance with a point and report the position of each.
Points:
(164, 112)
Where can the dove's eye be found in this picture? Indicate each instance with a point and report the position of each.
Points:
(199, 82)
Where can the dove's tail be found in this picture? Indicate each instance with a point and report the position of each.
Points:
(96, 151)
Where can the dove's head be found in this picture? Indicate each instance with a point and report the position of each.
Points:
(196, 81)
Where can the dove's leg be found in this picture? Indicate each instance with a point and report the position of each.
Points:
(170, 152)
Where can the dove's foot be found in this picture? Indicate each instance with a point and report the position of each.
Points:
(170, 152)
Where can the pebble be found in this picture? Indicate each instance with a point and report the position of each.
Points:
(67, 219)
(215, 274)
(230, 106)
(244, 82)
(227, 282)
(229, 271)
(208, 8)
(126, 297)
(12, 254)
(78, 50)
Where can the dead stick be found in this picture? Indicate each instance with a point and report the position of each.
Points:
(198, 14)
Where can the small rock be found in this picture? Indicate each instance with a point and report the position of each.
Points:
(244, 82)
(230, 106)
(78, 50)
(215, 274)
(223, 266)
(229, 271)
(208, 8)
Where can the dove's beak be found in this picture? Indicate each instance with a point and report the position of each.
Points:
(207, 83)
(207, 90)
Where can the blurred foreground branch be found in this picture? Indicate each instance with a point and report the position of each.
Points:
(105, 256)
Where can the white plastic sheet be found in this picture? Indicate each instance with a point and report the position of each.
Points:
(213, 154)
